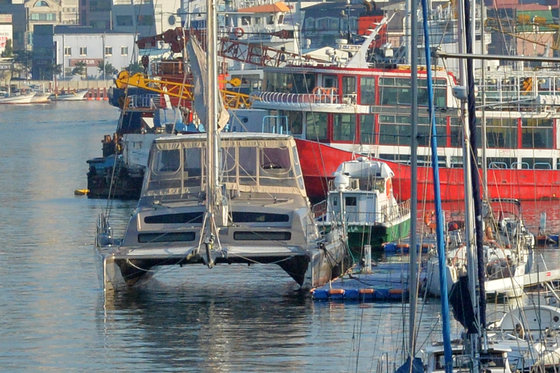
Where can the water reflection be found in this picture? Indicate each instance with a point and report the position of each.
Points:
(214, 321)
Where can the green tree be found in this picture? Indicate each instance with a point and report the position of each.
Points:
(134, 68)
(51, 70)
(22, 61)
(8, 50)
(79, 68)
(106, 68)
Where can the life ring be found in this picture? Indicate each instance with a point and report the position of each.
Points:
(389, 188)
(238, 32)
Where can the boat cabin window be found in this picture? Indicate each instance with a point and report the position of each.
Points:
(167, 161)
(316, 126)
(330, 81)
(367, 129)
(270, 19)
(166, 237)
(262, 236)
(350, 201)
(538, 163)
(344, 127)
(501, 133)
(394, 129)
(242, 166)
(281, 81)
(500, 162)
(192, 166)
(536, 133)
(245, 21)
(180, 218)
(348, 86)
(258, 217)
(367, 90)
(295, 122)
(275, 160)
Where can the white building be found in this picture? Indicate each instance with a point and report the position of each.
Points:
(6, 31)
(93, 47)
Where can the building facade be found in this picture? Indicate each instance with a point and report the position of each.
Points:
(93, 48)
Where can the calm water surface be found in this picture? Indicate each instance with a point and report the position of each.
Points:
(55, 317)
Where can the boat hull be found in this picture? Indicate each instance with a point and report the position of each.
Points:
(319, 162)
(376, 235)
(19, 99)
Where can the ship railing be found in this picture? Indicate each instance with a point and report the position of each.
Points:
(299, 98)
(143, 101)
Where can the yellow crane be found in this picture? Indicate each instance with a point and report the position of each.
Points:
(183, 91)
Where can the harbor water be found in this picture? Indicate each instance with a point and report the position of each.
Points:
(55, 316)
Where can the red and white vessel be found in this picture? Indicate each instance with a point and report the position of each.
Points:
(351, 108)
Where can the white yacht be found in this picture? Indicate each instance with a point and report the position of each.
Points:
(263, 214)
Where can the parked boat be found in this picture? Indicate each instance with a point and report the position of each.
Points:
(220, 198)
(41, 98)
(25, 98)
(531, 332)
(71, 96)
(353, 105)
(266, 219)
(361, 197)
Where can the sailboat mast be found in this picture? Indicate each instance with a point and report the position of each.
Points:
(474, 167)
(442, 261)
(211, 110)
(413, 271)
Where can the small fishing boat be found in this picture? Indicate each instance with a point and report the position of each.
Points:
(71, 96)
(17, 99)
(361, 197)
(41, 98)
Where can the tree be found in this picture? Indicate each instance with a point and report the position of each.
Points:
(51, 70)
(22, 61)
(79, 68)
(134, 68)
(106, 68)
(8, 50)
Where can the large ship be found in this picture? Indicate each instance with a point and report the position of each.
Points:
(354, 107)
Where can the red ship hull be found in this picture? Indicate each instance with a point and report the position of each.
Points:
(319, 161)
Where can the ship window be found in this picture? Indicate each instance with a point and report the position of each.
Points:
(500, 162)
(275, 167)
(295, 119)
(538, 163)
(329, 81)
(536, 133)
(166, 237)
(394, 91)
(367, 129)
(350, 201)
(316, 126)
(348, 85)
(244, 167)
(367, 90)
(167, 161)
(270, 20)
(185, 217)
(262, 236)
(192, 161)
(394, 129)
(501, 133)
(344, 127)
(258, 217)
